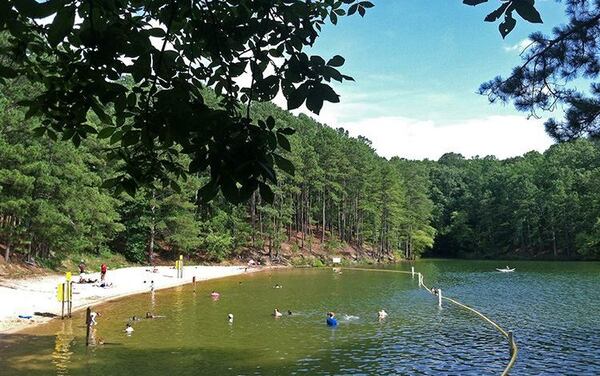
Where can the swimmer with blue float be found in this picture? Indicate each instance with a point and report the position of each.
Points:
(331, 320)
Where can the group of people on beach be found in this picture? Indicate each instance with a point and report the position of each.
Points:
(84, 279)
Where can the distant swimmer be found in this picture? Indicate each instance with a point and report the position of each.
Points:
(230, 318)
(150, 315)
(277, 286)
(382, 314)
(215, 295)
(135, 318)
(93, 316)
(277, 313)
(128, 328)
(331, 321)
(289, 312)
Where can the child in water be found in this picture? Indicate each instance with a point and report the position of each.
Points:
(128, 329)
(277, 313)
(331, 321)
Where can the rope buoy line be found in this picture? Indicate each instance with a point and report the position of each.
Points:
(508, 335)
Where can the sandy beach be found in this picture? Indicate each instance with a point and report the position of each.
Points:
(28, 296)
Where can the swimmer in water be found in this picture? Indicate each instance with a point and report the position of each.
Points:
(128, 328)
(277, 286)
(277, 313)
(289, 312)
(230, 318)
(331, 321)
(382, 314)
(215, 295)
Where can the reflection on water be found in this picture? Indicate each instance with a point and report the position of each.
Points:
(552, 308)
(61, 357)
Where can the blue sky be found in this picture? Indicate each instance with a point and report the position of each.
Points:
(417, 65)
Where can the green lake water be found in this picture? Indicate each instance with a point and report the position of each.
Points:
(551, 307)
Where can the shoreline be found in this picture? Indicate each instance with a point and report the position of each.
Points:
(38, 294)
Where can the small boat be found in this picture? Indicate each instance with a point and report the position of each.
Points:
(506, 270)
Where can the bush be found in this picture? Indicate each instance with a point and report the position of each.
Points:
(218, 246)
(333, 244)
(317, 263)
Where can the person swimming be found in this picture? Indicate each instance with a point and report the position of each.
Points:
(277, 286)
(382, 314)
(331, 321)
(128, 328)
(215, 295)
(277, 313)
(230, 318)
(289, 312)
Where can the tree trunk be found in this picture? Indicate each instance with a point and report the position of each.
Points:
(152, 230)
(324, 223)
(253, 218)
(7, 252)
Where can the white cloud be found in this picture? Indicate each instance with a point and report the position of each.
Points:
(502, 136)
(519, 47)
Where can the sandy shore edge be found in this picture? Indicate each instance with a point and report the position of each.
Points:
(27, 296)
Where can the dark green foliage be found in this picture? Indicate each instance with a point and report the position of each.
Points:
(538, 205)
(524, 8)
(141, 67)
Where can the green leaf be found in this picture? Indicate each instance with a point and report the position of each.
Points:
(35, 9)
(336, 61)
(287, 131)
(270, 122)
(99, 111)
(284, 164)
(208, 191)
(474, 2)
(283, 142)
(106, 132)
(39, 131)
(526, 9)
(61, 25)
(266, 193)
(507, 25)
(497, 13)
(130, 138)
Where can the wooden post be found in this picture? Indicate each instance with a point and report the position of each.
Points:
(180, 266)
(420, 279)
(194, 282)
(62, 311)
(439, 292)
(70, 304)
(412, 269)
(88, 325)
(510, 342)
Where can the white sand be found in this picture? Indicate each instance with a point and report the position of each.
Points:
(27, 296)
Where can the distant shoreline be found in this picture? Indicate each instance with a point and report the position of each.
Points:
(38, 294)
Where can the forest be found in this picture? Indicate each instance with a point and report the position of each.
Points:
(341, 198)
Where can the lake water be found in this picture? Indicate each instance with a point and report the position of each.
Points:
(551, 307)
